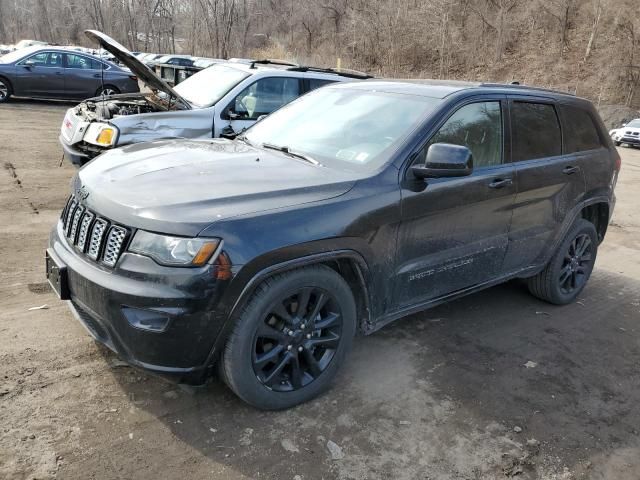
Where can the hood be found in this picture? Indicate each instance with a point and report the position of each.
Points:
(144, 73)
(182, 186)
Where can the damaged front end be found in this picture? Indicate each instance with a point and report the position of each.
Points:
(96, 124)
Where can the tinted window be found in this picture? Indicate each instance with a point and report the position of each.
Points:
(265, 96)
(536, 131)
(317, 83)
(580, 133)
(478, 127)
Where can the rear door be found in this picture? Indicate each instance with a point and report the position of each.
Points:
(82, 76)
(454, 231)
(550, 181)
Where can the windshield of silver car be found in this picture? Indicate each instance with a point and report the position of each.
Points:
(352, 129)
(209, 85)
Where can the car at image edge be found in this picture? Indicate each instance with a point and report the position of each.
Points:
(350, 207)
(628, 133)
(61, 73)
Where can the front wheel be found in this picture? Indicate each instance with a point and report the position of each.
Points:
(290, 339)
(5, 90)
(569, 269)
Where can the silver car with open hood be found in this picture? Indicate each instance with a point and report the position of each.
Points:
(222, 100)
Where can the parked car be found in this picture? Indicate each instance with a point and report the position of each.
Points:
(223, 99)
(59, 73)
(178, 60)
(628, 134)
(354, 205)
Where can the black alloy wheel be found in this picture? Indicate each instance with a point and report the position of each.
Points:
(577, 262)
(297, 339)
(570, 267)
(290, 339)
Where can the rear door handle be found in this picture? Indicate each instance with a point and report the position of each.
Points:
(570, 170)
(96, 75)
(501, 183)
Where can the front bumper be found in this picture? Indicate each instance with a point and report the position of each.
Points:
(630, 140)
(100, 296)
(73, 155)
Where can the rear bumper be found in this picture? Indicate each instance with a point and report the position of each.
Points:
(73, 155)
(102, 300)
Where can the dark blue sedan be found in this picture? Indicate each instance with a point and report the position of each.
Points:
(59, 73)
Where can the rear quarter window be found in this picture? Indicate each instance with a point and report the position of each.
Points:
(581, 133)
(535, 131)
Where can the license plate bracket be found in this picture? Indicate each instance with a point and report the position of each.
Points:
(57, 277)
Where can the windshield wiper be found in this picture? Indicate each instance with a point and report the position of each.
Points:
(288, 151)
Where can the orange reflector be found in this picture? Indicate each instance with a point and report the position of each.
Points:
(223, 272)
(105, 136)
(204, 253)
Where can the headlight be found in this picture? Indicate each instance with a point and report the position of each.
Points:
(174, 251)
(101, 134)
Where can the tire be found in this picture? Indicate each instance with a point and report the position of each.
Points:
(108, 89)
(575, 257)
(258, 364)
(5, 90)
(617, 143)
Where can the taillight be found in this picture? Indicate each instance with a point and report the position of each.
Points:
(618, 162)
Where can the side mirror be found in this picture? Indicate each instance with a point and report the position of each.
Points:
(29, 64)
(445, 160)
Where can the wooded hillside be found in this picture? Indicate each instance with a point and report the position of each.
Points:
(588, 46)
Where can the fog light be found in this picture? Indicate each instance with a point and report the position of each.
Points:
(146, 319)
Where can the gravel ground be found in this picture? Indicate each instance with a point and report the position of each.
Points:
(495, 385)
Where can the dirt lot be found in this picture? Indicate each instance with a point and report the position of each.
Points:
(440, 395)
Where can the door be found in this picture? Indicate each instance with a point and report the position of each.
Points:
(260, 98)
(549, 183)
(83, 77)
(40, 75)
(454, 231)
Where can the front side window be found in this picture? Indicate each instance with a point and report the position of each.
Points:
(536, 131)
(478, 127)
(39, 59)
(581, 133)
(348, 129)
(265, 96)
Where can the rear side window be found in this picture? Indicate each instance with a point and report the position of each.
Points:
(581, 133)
(317, 83)
(536, 131)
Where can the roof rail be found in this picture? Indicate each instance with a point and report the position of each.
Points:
(519, 86)
(274, 61)
(344, 72)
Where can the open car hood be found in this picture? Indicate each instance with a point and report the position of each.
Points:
(144, 73)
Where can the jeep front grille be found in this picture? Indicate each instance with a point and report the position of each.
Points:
(96, 237)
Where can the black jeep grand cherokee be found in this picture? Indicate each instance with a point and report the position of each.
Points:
(353, 206)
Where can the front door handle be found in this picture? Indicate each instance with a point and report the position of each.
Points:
(501, 183)
(96, 75)
(570, 170)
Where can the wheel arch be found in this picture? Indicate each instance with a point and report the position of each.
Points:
(6, 79)
(598, 214)
(348, 263)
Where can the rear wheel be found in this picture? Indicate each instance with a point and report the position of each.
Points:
(107, 90)
(290, 339)
(569, 269)
(5, 90)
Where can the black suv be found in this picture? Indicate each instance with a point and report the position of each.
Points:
(353, 206)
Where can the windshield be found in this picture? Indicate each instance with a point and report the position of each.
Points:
(208, 86)
(345, 128)
(633, 124)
